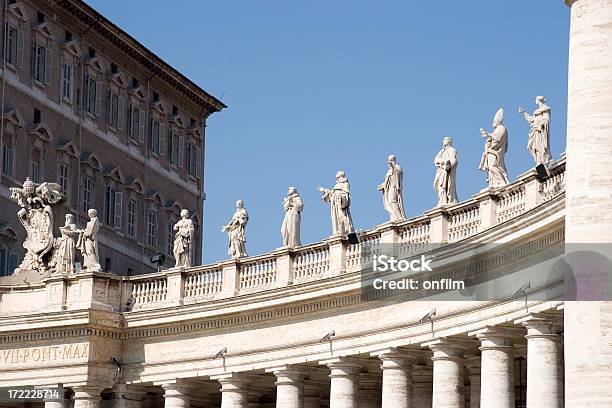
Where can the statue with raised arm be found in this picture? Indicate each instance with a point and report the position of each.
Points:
(64, 248)
(88, 243)
(290, 230)
(37, 217)
(495, 149)
(392, 190)
(340, 199)
(539, 135)
(183, 240)
(446, 173)
(236, 231)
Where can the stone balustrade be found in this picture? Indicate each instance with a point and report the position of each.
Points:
(331, 257)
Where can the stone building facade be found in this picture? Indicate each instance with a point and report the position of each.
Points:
(87, 106)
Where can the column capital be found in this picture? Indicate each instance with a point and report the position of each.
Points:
(288, 374)
(175, 388)
(541, 324)
(232, 382)
(342, 366)
(496, 338)
(395, 359)
(87, 391)
(445, 349)
(473, 365)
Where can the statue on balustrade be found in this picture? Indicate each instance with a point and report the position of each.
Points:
(446, 173)
(236, 231)
(183, 240)
(392, 190)
(340, 199)
(37, 217)
(290, 229)
(64, 247)
(495, 149)
(88, 243)
(539, 135)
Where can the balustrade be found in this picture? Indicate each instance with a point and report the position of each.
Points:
(204, 283)
(368, 245)
(511, 203)
(311, 263)
(257, 274)
(149, 291)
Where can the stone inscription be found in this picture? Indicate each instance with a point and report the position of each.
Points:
(44, 353)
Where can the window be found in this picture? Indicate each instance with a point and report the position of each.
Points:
(131, 221)
(170, 237)
(87, 192)
(193, 158)
(93, 95)
(8, 262)
(173, 147)
(135, 123)
(35, 166)
(113, 207)
(8, 158)
(41, 63)
(157, 137)
(67, 74)
(63, 177)
(14, 46)
(115, 110)
(152, 227)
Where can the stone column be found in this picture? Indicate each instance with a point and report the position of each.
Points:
(289, 387)
(58, 402)
(588, 198)
(396, 381)
(343, 384)
(368, 394)
(473, 366)
(312, 394)
(234, 391)
(544, 368)
(496, 369)
(87, 396)
(126, 396)
(176, 395)
(448, 383)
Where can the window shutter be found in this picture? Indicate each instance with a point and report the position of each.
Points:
(141, 125)
(162, 138)
(118, 209)
(69, 75)
(48, 64)
(109, 110)
(98, 97)
(20, 47)
(86, 92)
(198, 162)
(121, 112)
(181, 155)
(33, 59)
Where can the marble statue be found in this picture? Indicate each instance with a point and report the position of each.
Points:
(236, 231)
(183, 240)
(495, 149)
(290, 230)
(445, 181)
(88, 243)
(392, 190)
(340, 199)
(37, 217)
(539, 135)
(64, 247)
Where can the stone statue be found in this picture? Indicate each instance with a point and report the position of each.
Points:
(64, 248)
(290, 229)
(392, 190)
(183, 240)
(37, 217)
(88, 243)
(446, 173)
(236, 231)
(340, 199)
(495, 150)
(539, 135)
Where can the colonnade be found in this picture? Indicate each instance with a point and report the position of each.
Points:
(473, 370)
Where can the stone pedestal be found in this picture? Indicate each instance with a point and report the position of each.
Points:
(86, 396)
(289, 388)
(396, 381)
(176, 395)
(343, 384)
(448, 386)
(496, 370)
(544, 361)
(234, 391)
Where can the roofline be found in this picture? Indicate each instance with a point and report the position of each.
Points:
(120, 38)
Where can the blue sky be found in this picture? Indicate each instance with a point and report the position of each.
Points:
(314, 87)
